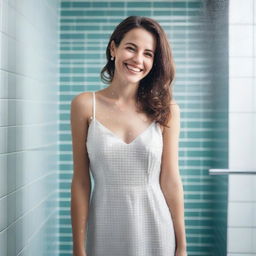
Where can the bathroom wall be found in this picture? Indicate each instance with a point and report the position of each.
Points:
(28, 127)
(85, 27)
(242, 120)
(217, 13)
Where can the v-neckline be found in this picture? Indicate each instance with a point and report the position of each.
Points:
(117, 137)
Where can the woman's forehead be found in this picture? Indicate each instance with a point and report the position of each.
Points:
(140, 37)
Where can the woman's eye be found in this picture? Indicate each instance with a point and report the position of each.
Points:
(130, 48)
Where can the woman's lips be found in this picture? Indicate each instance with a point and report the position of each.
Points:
(130, 68)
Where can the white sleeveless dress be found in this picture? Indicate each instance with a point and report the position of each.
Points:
(128, 214)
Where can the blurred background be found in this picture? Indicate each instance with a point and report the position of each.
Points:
(52, 50)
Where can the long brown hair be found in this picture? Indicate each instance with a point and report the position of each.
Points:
(154, 94)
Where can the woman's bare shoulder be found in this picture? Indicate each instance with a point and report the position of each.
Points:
(174, 102)
(81, 104)
(82, 98)
(174, 108)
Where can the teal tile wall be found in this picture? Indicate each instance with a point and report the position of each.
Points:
(85, 27)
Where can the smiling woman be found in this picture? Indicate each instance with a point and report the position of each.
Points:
(132, 126)
(134, 49)
(135, 53)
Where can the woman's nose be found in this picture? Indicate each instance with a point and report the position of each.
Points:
(138, 57)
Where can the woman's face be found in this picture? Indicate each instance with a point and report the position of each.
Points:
(134, 57)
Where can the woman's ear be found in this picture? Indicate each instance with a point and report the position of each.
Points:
(112, 48)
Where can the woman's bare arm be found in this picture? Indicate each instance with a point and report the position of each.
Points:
(81, 184)
(170, 179)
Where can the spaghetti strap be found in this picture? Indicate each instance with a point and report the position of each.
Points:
(92, 117)
(94, 105)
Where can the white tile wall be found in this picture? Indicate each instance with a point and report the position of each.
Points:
(243, 238)
(241, 99)
(245, 214)
(241, 188)
(241, 147)
(241, 12)
(240, 254)
(28, 127)
(242, 126)
(240, 66)
(241, 37)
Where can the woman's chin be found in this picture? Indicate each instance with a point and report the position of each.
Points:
(130, 80)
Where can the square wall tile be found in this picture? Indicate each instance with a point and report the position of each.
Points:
(3, 242)
(254, 239)
(241, 11)
(242, 141)
(241, 67)
(254, 93)
(241, 94)
(240, 240)
(241, 188)
(240, 40)
(241, 214)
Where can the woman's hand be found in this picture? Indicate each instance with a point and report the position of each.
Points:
(181, 252)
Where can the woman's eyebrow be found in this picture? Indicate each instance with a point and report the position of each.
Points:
(137, 46)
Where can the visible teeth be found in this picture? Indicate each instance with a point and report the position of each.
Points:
(132, 68)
